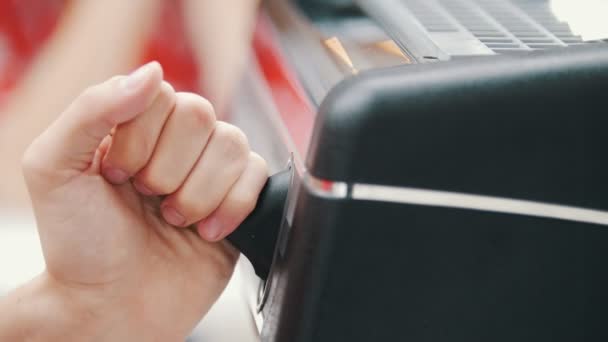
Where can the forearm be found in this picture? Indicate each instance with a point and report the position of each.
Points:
(93, 40)
(220, 33)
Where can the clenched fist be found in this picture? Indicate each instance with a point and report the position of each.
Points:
(134, 187)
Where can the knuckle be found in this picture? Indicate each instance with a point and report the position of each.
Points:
(197, 110)
(258, 163)
(89, 97)
(243, 204)
(166, 96)
(166, 88)
(234, 141)
(134, 142)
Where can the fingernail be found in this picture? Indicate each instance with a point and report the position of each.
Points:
(210, 229)
(172, 216)
(137, 77)
(115, 176)
(142, 189)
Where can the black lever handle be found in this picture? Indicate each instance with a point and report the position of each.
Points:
(256, 237)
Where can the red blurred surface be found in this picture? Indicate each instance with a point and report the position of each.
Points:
(26, 24)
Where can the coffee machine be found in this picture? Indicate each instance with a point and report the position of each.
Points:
(446, 179)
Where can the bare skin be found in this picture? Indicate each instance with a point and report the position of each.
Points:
(129, 262)
(98, 39)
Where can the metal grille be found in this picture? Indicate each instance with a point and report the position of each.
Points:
(491, 26)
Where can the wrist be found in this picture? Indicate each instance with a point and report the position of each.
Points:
(100, 313)
(46, 310)
(36, 311)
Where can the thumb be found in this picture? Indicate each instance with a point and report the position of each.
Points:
(68, 146)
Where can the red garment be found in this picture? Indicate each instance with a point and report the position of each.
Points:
(26, 24)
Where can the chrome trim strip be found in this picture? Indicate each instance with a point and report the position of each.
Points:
(318, 187)
(406, 195)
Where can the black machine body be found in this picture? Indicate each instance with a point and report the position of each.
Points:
(457, 201)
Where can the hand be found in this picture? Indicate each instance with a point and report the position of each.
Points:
(106, 240)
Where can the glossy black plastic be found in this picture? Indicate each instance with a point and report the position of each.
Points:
(527, 127)
(256, 237)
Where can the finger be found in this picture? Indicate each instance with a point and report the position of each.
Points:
(100, 154)
(180, 145)
(219, 167)
(69, 144)
(239, 202)
(133, 141)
